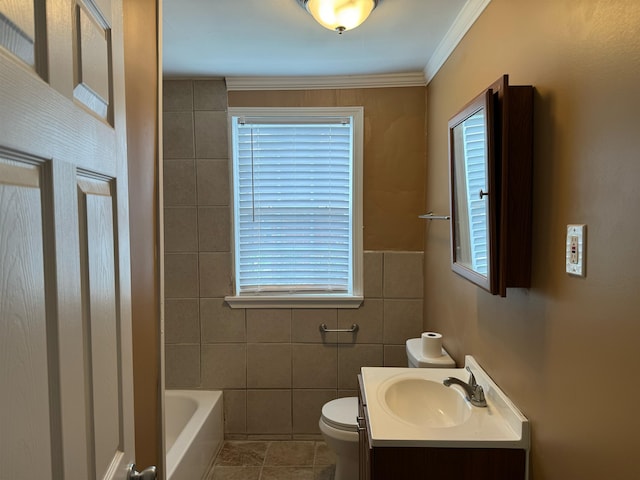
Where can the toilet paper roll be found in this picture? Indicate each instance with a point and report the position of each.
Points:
(431, 344)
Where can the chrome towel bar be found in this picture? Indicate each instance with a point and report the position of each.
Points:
(431, 216)
(324, 329)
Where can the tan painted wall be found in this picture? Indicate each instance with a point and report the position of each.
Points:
(394, 155)
(565, 350)
(141, 70)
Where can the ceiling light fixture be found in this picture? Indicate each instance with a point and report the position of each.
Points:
(339, 15)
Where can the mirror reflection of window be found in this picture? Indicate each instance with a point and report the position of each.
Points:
(470, 159)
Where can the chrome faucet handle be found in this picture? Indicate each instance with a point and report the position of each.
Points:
(472, 379)
(477, 398)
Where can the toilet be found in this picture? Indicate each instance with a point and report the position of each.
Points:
(340, 431)
(338, 421)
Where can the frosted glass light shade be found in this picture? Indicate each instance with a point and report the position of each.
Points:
(340, 15)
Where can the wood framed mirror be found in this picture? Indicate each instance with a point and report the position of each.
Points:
(473, 192)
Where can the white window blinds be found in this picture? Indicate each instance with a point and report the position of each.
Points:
(293, 204)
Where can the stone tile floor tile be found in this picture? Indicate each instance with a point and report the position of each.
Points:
(290, 454)
(242, 454)
(273, 460)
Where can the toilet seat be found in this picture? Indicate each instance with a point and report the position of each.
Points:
(341, 414)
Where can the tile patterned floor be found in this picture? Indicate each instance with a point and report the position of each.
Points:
(276, 460)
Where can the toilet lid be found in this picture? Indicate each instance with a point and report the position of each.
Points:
(341, 413)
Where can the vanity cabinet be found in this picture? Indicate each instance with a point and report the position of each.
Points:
(433, 463)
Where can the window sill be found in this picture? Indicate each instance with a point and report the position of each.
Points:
(298, 301)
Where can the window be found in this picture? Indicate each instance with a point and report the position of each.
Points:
(297, 207)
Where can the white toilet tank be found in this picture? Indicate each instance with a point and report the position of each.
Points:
(418, 360)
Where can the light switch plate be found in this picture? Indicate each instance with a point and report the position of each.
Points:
(576, 250)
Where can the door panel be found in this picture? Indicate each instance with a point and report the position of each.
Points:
(17, 29)
(99, 292)
(93, 60)
(23, 330)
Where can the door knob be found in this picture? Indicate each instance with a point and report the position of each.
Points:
(147, 474)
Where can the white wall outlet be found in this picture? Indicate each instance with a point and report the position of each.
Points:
(576, 250)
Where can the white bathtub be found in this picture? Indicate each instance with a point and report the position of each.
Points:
(194, 432)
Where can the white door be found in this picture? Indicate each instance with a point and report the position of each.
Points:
(66, 400)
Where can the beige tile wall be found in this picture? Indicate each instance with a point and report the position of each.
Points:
(275, 366)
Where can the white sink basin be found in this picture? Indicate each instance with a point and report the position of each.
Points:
(424, 402)
(412, 407)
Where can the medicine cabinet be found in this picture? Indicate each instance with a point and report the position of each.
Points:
(490, 159)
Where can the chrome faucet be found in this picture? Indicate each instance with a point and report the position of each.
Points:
(475, 392)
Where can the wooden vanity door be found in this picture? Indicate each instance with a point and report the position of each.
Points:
(66, 402)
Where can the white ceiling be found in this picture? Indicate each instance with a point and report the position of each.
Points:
(258, 38)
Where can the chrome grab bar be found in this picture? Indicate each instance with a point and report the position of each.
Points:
(324, 329)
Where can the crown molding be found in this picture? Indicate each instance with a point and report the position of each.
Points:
(412, 79)
(461, 25)
(470, 12)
